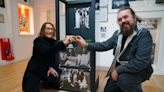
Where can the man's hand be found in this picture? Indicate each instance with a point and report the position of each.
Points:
(114, 75)
(53, 72)
(81, 42)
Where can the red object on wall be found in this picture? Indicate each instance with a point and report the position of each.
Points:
(6, 49)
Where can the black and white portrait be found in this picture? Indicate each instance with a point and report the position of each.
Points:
(119, 3)
(75, 79)
(149, 23)
(153, 25)
(75, 56)
(82, 17)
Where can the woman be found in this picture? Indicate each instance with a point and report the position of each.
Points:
(43, 65)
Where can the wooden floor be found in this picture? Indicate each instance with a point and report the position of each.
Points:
(11, 79)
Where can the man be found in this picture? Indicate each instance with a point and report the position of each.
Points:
(132, 49)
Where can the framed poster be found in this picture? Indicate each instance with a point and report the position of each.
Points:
(1, 18)
(25, 20)
(75, 80)
(2, 3)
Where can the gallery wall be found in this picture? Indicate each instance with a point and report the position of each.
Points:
(21, 45)
(44, 10)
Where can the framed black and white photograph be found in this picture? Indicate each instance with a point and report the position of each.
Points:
(116, 4)
(152, 24)
(75, 80)
(82, 17)
(2, 3)
(1, 18)
(75, 56)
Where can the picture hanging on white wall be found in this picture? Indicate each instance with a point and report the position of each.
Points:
(116, 4)
(25, 20)
(2, 3)
(103, 30)
(153, 25)
(1, 18)
(104, 14)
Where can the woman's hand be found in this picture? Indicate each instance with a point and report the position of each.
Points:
(53, 72)
(69, 39)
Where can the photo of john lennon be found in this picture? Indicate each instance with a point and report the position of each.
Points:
(75, 79)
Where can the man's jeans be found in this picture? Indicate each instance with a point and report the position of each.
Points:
(126, 83)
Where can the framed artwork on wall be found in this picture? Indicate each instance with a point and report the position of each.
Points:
(1, 18)
(2, 3)
(104, 14)
(25, 20)
(116, 4)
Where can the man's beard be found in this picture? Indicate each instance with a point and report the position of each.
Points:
(127, 29)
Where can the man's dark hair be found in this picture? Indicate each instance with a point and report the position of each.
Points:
(132, 12)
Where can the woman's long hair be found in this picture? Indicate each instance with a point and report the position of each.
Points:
(42, 30)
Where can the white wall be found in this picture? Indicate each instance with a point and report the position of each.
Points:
(21, 45)
(144, 9)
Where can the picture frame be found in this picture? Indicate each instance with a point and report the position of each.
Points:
(116, 4)
(2, 3)
(25, 20)
(104, 14)
(76, 80)
(82, 17)
(74, 56)
(1, 18)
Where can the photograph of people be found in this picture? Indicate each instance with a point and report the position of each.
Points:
(82, 18)
(84, 58)
(116, 4)
(75, 56)
(43, 66)
(75, 79)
